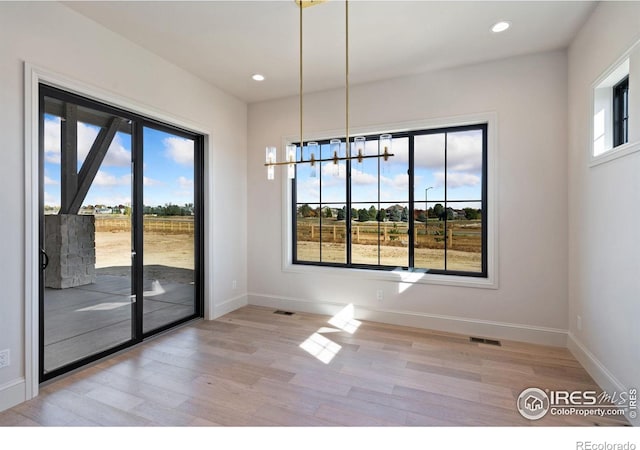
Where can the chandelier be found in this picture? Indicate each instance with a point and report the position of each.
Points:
(335, 145)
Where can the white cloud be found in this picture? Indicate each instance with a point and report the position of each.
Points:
(50, 181)
(464, 151)
(329, 179)
(52, 140)
(400, 181)
(151, 182)
(185, 183)
(308, 190)
(361, 178)
(179, 150)
(117, 155)
(106, 179)
(457, 179)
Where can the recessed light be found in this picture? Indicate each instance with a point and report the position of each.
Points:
(500, 27)
(257, 77)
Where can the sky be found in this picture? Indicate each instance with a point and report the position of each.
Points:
(463, 177)
(168, 167)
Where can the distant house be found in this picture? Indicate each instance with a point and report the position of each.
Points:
(104, 211)
(458, 214)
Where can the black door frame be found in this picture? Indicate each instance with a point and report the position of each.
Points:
(138, 122)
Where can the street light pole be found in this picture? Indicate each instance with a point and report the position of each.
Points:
(426, 213)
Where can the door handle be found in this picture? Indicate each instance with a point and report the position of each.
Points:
(44, 261)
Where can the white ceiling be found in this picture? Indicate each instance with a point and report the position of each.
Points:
(225, 42)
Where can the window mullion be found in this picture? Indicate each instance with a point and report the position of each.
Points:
(411, 225)
(446, 206)
(348, 218)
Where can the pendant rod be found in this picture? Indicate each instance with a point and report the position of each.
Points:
(346, 76)
(301, 86)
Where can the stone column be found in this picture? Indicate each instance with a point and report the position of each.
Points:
(70, 244)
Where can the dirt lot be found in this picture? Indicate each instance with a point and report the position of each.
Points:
(113, 249)
(391, 256)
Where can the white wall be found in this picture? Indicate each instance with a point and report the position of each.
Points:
(55, 38)
(604, 200)
(529, 96)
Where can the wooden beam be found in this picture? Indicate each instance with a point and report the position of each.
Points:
(68, 155)
(55, 107)
(92, 163)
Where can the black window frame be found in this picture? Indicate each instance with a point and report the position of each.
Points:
(484, 273)
(621, 112)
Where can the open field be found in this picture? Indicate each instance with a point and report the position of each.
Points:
(174, 247)
(113, 249)
(171, 224)
(391, 256)
(461, 235)
(463, 239)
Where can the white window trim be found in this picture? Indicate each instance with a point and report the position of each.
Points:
(400, 276)
(621, 150)
(33, 76)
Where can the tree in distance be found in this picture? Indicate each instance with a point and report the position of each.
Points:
(471, 213)
(438, 211)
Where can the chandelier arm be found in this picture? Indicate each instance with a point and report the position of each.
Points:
(347, 158)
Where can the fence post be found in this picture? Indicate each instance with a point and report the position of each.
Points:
(312, 231)
(386, 236)
(450, 237)
(357, 234)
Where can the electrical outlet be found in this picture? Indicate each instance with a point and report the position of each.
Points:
(4, 358)
(380, 295)
(579, 323)
(234, 284)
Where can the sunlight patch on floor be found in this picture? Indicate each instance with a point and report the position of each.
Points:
(345, 321)
(324, 349)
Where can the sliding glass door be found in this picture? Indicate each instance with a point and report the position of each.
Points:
(169, 228)
(120, 229)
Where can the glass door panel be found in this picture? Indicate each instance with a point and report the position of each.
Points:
(86, 233)
(169, 228)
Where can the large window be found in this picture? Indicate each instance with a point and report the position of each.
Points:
(422, 210)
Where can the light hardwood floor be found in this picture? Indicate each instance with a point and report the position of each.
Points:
(248, 368)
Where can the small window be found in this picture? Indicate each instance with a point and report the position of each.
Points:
(621, 112)
(609, 127)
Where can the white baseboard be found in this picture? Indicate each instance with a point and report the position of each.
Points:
(227, 306)
(600, 374)
(12, 393)
(452, 324)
